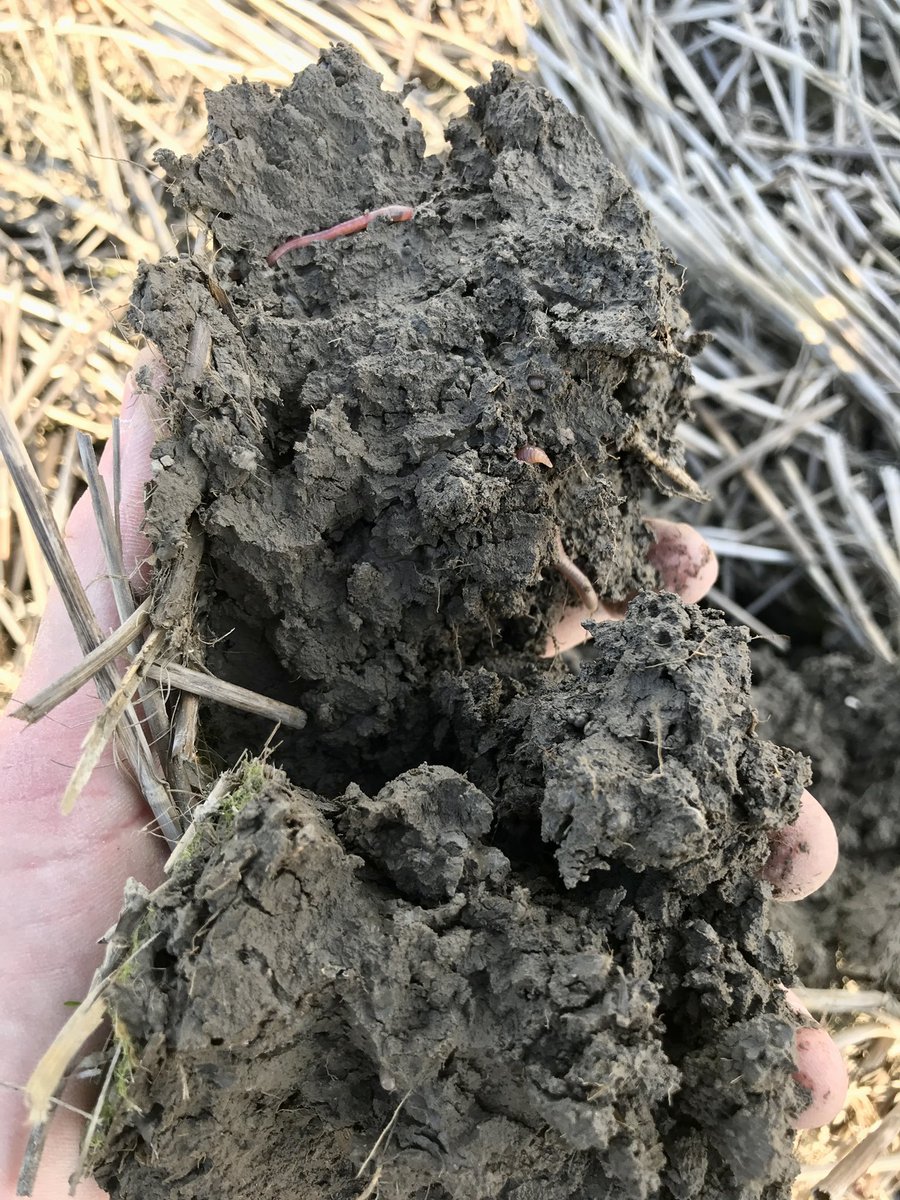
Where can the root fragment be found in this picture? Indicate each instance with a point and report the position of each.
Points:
(687, 486)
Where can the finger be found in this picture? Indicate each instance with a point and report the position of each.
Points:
(569, 630)
(686, 563)
(56, 647)
(820, 1069)
(139, 426)
(803, 854)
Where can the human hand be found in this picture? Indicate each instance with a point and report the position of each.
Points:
(61, 887)
(804, 854)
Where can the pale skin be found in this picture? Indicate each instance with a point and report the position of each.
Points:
(61, 886)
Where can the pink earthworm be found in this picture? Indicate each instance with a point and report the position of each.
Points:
(391, 212)
(575, 576)
(533, 454)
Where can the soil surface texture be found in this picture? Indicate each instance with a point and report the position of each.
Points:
(413, 974)
(349, 450)
(485, 929)
(844, 713)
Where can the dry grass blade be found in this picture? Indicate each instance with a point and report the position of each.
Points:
(45, 1078)
(720, 600)
(94, 1119)
(185, 773)
(49, 537)
(206, 808)
(852, 594)
(209, 687)
(31, 1159)
(840, 1000)
(108, 526)
(780, 436)
(11, 624)
(105, 725)
(879, 1031)
(860, 512)
(854, 1165)
(82, 617)
(48, 1077)
(117, 643)
(774, 507)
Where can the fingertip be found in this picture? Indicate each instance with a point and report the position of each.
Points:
(140, 428)
(686, 562)
(568, 632)
(820, 1069)
(140, 417)
(804, 854)
(144, 381)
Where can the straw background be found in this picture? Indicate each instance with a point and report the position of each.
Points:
(763, 136)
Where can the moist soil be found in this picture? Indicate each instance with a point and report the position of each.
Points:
(489, 926)
(845, 714)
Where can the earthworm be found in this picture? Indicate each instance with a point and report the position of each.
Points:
(574, 576)
(533, 454)
(391, 212)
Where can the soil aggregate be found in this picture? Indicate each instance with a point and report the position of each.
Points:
(487, 928)
(323, 971)
(350, 450)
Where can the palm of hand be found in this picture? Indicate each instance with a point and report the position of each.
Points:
(61, 887)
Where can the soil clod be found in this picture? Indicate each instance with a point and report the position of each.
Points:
(498, 922)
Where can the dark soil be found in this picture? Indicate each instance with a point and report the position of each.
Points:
(845, 714)
(490, 929)
(350, 451)
(325, 971)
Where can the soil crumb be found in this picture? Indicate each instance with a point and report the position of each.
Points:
(559, 983)
(487, 930)
(346, 433)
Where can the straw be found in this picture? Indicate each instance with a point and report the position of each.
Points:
(765, 141)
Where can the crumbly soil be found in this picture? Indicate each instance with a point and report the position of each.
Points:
(555, 983)
(350, 449)
(845, 714)
(485, 929)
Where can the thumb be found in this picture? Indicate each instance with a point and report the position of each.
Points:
(56, 648)
(62, 878)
